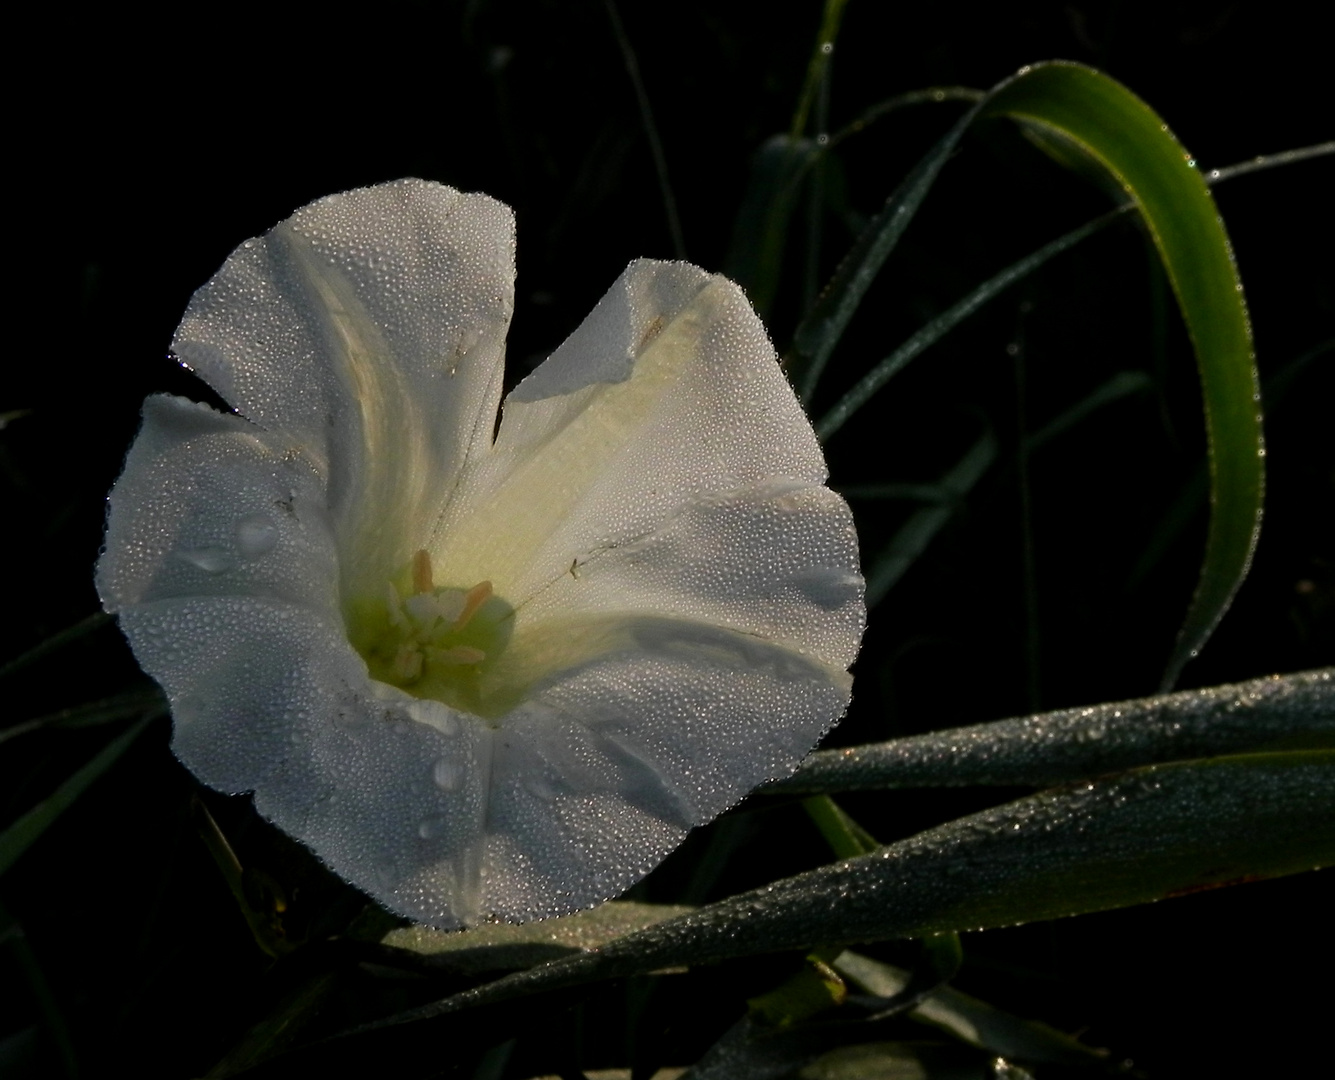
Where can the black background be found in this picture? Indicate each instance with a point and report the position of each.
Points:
(143, 149)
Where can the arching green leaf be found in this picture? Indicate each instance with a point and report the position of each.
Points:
(1133, 145)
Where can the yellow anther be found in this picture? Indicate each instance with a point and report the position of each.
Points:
(422, 572)
(474, 598)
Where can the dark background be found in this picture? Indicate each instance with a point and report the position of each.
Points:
(144, 149)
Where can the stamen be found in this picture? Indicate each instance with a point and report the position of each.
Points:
(422, 572)
(458, 655)
(408, 663)
(395, 608)
(478, 595)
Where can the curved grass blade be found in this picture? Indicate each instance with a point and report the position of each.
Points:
(57, 641)
(937, 328)
(1289, 712)
(650, 129)
(831, 18)
(970, 1020)
(1194, 494)
(1119, 131)
(823, 326)
(1139, 836)
(755, 256)
(21, 835)
(778, 170)
(921, 528)
(510, 946)
(1121, 385)
(145, 702)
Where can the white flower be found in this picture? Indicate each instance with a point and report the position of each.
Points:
(481, 679)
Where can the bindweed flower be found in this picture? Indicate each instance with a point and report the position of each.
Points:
(483, 672)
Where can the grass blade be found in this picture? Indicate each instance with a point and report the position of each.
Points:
(922, 527)
(820, 60)
(937, 328)
(1114, 128)
(1072, 744)
(93, 622)
(1139, 836)
(819, 332)
(21, 835)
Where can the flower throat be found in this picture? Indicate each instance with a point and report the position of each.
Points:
(432, 641)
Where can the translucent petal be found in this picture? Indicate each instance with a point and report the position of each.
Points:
(578, 794)
(605, 769)
(367, 332)
(249, 679)
(777, 560)
(582, 463)
(207, 506)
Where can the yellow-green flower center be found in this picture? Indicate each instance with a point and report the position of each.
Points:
(433, 641)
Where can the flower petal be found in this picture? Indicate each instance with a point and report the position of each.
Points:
(668, 393)
(604, 771)
(249, 680)
(367, 332)
(207, 506)
(777, 560)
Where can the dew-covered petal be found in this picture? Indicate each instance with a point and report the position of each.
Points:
(367, 331)
(248, 679)
(609, 764)
(670, 392)
(778, 561)
(394, 798)
(208, 506)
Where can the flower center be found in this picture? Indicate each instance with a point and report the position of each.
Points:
(432, 642)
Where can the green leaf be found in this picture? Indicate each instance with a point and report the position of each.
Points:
(844, 835)
(968, 1019)
(21, 835)
(1124, 135)
(70, 634)
(812, 991)
(1288, 712)
(1121, 385)
(935, 329)
(755, 256)
(1075, 105)
(147, 702)
(819, 332)
(506, 947)
(1141, 836)
(922, 527)
(832, 16)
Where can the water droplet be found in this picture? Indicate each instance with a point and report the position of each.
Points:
(212, 560)
(432, 828)
(256, 535)
(540, 786)
(447, 774)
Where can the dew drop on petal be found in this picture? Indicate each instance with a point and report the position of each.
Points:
(212, 560)
(541, 787)
(256, 535)
(447, 774)
(432, 827)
